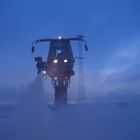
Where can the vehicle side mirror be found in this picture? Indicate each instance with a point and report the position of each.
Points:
(86, 47)
(33, 49)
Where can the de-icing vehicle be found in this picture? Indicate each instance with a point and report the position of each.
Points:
(59, 64)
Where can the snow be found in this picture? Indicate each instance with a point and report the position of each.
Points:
(29, 118)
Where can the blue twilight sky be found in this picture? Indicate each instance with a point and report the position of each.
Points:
(112, 28)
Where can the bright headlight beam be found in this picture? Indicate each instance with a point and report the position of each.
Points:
(43, 72)
(55, 61)
(65, 60)
(59, 37)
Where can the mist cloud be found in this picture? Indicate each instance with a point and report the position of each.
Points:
(120, 71)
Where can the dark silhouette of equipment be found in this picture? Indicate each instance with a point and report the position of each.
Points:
(59, 64)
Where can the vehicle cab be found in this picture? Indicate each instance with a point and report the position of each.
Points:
(60, 60)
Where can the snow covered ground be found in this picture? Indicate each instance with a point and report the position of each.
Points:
(28, 117)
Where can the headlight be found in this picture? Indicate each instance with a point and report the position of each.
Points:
(43, 72)
(55, 61)
(59, 37)
(65, 60)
